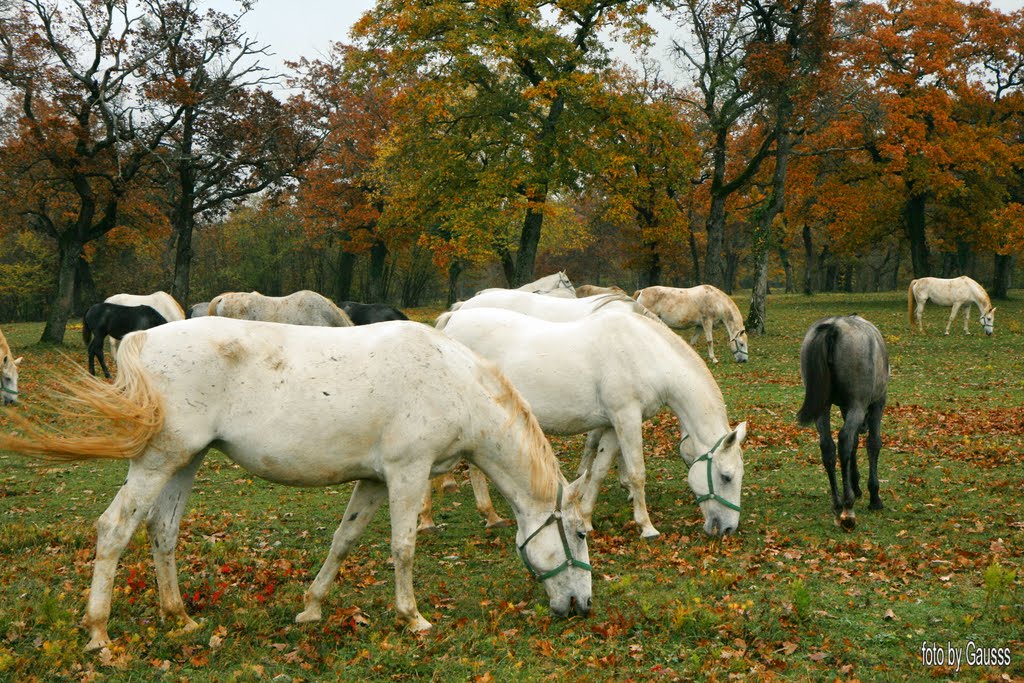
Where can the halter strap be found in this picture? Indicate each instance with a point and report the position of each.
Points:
(570, 561)
(711, 495)
(12, 392)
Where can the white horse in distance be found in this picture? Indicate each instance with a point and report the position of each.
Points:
(556, 285)
(160, 301)
(300, 308)
(955, 292)
(702, 305)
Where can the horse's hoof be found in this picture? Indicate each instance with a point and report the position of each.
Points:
(426, 529)
(499, 524)
(187, 627)
(419, 625)
(876, 505)
(308, 615)
(650, 535)
(848, 521)
(97, 643)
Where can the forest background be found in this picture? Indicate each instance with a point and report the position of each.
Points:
(801, 145)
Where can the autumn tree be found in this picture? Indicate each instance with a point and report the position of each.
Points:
(234, 138)
(500, 93)
(77, 72)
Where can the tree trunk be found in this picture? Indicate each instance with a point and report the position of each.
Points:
(183, 215)
(508, 266)
(85, 288)
(183, 227)
(915, 215)
(454, 271)
(808, 260)
(695, 255)
(378, 261)
(650, 274)
(343, 275)
(787, 267)
(714, 260)
(526, 258)
(1003, 278)
(68, 253)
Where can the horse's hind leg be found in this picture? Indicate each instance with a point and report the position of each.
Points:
(367, 496)
(849, 435)
(709, 336)
(163, 524)
(874, 420)
(607, 448)
(631, 460)
(952, 316)
(828, 458)
(114, 529)
(919, 313)
(96, 351)
(482, 495)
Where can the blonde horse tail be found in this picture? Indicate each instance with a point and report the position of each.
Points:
(910, 302)
(123, 417)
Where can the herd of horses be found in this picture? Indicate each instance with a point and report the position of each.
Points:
(391, 403)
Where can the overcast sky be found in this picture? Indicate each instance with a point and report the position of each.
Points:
(306, 28)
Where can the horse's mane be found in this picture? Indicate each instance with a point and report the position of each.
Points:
(637, 307)
(544, 471)
(982, 295)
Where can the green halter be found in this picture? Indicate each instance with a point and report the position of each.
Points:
(711, 495)
(570, 561)
(12, 392)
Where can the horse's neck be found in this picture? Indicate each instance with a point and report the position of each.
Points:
(694, 397)
(730, 317)
(507, 463)
(980, 296)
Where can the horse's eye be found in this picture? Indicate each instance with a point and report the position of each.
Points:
(582, 535)
(726, 478)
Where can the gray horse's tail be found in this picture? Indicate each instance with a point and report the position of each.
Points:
(817, 373)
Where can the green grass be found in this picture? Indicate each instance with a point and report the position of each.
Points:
(789, 596)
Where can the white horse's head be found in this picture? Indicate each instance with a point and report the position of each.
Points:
(9, 379)
(556, 552)
(717, 478)
(740, 350)
(988, 320)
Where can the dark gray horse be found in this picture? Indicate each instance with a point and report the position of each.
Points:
(844, 362)
(117, 321)
(366, 314)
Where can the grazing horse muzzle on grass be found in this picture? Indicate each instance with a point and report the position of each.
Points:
(844, 362)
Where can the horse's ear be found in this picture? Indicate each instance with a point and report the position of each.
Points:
(17, 361)
(575, 490)
(738, 435)
(992, 310)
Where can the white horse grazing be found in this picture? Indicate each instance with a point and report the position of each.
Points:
(702, 305)
(160, 301)
(605, 374)
(548, 308)
(300, 308)
(8, 373)
(387, 405)
(584, 291)
(556, 285)
(955, 292)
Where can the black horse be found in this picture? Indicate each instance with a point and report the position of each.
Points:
(366, 314)
(117, 321)
(844, 362)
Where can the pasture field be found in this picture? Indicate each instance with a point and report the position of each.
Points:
(789, 597)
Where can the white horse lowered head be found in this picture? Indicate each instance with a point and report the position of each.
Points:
(160, 301)
(284, 402)
(605, 374)
(548, 308)
(556, 285)
(955, 292)
(702, 305)
(8, 373)
(299, 308)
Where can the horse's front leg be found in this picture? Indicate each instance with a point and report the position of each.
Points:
(607, 449)
(952, 316)
(631, 445)
(114, 529)
(162, 524)
(366, 497)
(967, 317)
(848, 438)
(828, 459)
(405, 493)
(874, 419)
